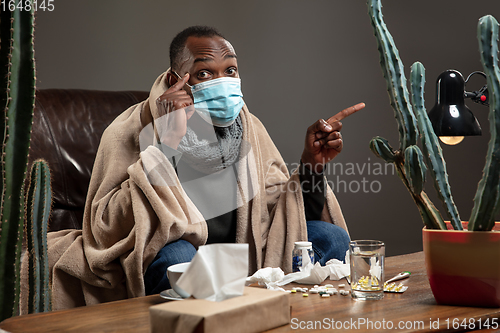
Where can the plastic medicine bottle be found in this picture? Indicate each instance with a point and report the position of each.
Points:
(302, 250)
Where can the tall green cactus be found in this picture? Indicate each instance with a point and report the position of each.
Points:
(38, 206)
(393, 70)
(431, 147)
(409, 158)
(18, 98)
(487, 198)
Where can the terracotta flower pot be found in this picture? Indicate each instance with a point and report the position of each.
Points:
(463, 266)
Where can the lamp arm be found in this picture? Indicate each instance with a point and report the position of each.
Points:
(476, 72)
(479, 96)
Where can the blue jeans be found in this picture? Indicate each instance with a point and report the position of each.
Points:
(329, 241)
(155, 278)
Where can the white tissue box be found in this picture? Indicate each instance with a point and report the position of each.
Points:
(257, 310)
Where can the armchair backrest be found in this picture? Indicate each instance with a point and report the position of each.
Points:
(67, 128)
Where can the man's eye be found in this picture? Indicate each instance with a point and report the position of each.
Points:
(231, 71)
(203, 75)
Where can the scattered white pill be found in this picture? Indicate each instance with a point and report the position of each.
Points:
(325, 295)
(342, 285)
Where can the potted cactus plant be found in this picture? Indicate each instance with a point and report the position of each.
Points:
(454, 257)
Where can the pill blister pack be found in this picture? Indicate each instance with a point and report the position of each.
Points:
(394, 288)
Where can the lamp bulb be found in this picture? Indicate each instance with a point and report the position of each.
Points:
(451, 140)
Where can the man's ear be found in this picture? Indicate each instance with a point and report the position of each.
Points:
(171, 78)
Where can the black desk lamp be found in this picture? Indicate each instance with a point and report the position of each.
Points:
(450, 117)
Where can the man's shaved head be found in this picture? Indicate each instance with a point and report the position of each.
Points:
(179, 42)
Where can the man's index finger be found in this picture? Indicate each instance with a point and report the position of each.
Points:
(180, 83)
(346, 113)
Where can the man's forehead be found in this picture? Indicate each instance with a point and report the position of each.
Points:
(207, 48)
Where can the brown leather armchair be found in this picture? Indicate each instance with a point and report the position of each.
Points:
(67, 129)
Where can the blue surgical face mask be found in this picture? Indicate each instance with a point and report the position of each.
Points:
(218, 101)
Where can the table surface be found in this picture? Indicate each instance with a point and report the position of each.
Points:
(413, 310)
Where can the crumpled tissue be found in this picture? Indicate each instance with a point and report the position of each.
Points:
(274, 278)
(375, 268)
(217, 272)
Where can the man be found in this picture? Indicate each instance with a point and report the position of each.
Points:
(156, 195)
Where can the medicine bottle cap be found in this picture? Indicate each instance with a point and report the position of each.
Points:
(302, 245)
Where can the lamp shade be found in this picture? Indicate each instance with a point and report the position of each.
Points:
(450, 116)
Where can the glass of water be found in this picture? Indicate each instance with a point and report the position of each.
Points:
(367, 269)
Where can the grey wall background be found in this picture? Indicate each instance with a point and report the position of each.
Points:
(299, 61)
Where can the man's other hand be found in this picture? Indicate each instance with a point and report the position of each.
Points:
(324, 141)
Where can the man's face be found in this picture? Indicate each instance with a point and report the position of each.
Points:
(208, 58)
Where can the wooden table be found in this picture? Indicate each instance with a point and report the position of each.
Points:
(415, 310)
